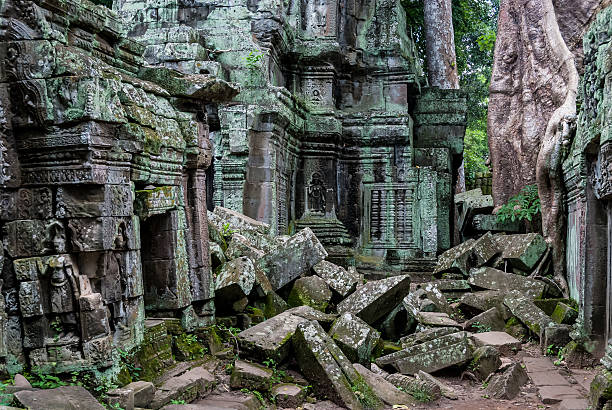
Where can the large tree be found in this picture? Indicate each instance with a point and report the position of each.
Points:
(440, 44)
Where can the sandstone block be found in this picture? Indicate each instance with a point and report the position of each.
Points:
(235, 280)
(75, 397)
(527, 312)
(522, 251)
(355, 337)
(375, 299)
(336, 277)
(564, 314)
(386, 391)
(288, 395)
(310, 291)
(502, 341)
(250, 376)
(493, 279)
(507, 385)
(486, 361)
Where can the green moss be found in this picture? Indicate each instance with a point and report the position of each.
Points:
(390, 347)
(188, 347)
(365, 394)
(124, 377)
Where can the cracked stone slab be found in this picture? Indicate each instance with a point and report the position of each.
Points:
(494, 279)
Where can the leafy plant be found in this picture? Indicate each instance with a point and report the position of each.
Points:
(421, 395)
(177, 401)
(227, 230)
(257, 395)
(128, 361)
(278, 375)
(523, 207)
(253, 60)
(480, 327)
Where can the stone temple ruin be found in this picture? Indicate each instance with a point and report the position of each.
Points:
(119, 131)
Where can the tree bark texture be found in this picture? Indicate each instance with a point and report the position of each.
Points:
(440, 39)
(532, 105)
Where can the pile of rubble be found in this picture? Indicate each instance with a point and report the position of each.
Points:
(293, 329)
(361, 342)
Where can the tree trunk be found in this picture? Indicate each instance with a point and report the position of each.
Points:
(440, 38)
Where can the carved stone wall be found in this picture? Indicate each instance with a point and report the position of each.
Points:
(102, 188)
(331, 129)
(588, 178)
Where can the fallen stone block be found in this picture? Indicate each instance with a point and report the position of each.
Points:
(396, 324)
(122, 398)
(455, 259)
(376, 299)
(240, 246)
(426, 336)
(445, 390)
(217, 256)
(494, 279)
(522, 251)
(337, 278)
(272, 338)
(527, 312)
(288, 395)
(325, 366)
(564, 314)
(452, 288)
(601, 389)
(356, 338)
(235, 281)
(484, 249)
(60, 398)
(250, 376)
(486, 361)
(556, 394)
(507, 385)
(229, 400)
(412, 385)
(491, 320)
(240, 223)
(436, 319)
(310, 291)
(143, 392)
(436, 297)
(284, 263)
(502, 341)
(477, 302)
(555, 335)
(548, 305)
(188, 386)
(430, 356)
(386, 391)
(573, 404)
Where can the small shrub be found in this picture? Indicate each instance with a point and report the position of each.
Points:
(523, 207)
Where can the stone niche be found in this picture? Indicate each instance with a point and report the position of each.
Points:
(333, 129)
(102, 188)
(588, 179)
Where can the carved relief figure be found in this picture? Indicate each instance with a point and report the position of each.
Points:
(316, 17)
(55, 242)
(63, 291)
(316, 193)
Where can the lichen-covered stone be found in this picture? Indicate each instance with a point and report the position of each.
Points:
(324, 364)
(235, 280)
(522, 251)
(288, 395)
(336, 277)
(564, 314)
(385, 390)
(455, 259)
(484, 249)
(494, 279)
(527, 312)
(272, 338)
(250, 376)
(414, 386)
(284, 263)
(508, 384)
(426, 336)
(375, 299)
(430, 356)
(436, 319)
(240, 246)
(56, 399)
(310, 291)
(486, 361)
(355, 337)
(490, 319)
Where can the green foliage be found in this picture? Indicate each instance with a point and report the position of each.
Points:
(523, 207)
(365, 395)
(127, 360)
(258, 395)
(278, 375)
(481, 328)
(476, 152)
(177, 401)
(253, 60)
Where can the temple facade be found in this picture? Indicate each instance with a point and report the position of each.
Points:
(334, 128)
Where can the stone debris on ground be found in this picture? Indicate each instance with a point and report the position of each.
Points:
(295, 329)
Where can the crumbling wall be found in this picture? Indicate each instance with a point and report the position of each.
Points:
(331, 129)
(588, 177)
(94, 147)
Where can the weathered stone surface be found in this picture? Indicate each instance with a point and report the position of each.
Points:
(527, 312)
(445, 390)
(435, 295)
(324, 364)
(502, 341)
(414, 385)
(455, 259)
(436, 319)
(486, 361)
(522, 251)
(287, 395)
(478, 302)
(240, 246)
(188, 386)
(601, 389)
(564, 314)
(272, 338)
(229, 400)
(250, 376)
(375, 299)
(397, 323)
(294, 258)
(494, 279)
(556, 335)
(310, 291)
(490, 319)
(235, 280)
(430, 356)
(426, 336)
(355, 337)
(123, 398)
(57, 399)
(143, 392)
(508, 384)
(385, 390)
(336, 277)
